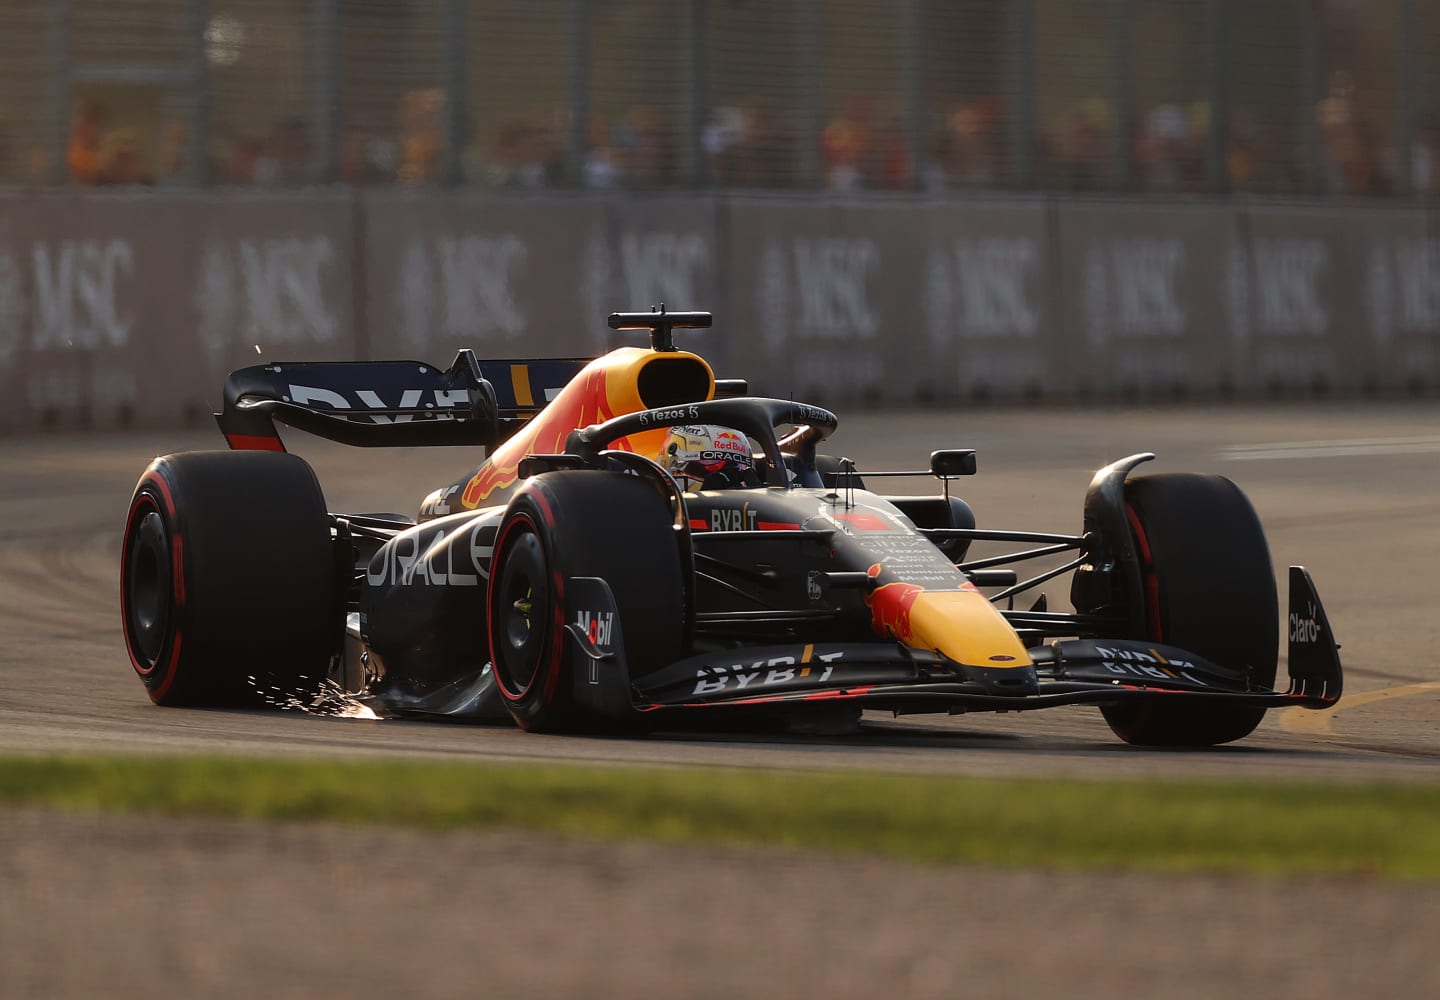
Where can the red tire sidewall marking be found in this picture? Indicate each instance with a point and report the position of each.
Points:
(1149, 581)
(557, 587)
(147, 499)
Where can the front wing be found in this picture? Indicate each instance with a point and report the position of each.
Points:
(890, 676)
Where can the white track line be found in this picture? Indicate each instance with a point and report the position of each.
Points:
(1340, 448)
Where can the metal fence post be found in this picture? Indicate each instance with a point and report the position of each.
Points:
(1409, 96)
(1122, 51)
(918, 95)
(201, 99)
(1217, 157)
(813, 62)
(697, 109)
(454, 19)
(1022, 92)
(327, 90)
(1312, 56)
(60, 139)
(579, 89)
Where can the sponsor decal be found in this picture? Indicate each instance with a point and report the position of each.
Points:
(598, 626)
(270, 292)
(814, 586)
(410, 399)
(735, 458)
(437, 504)
(811, 414)
(1146, 666)
(461, 288)
(77, 294)
(730, 444)
(890, 609)
(1305, 630)
(673, 415)
(913, 559)
(580, 404)
(463, 563)
(980, 291)
(1289, 276)
(733, 519)
(764, 673)
(1132, 289)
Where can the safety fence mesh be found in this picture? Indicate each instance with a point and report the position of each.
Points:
(1286, 97)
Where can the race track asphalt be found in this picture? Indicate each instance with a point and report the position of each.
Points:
(141, 906)
(1350, 490)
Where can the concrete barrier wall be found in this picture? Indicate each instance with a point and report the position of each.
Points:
(130, 309)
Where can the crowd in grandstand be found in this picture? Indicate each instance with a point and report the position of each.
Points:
(759, 144)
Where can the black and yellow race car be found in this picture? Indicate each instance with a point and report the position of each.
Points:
(581, 579)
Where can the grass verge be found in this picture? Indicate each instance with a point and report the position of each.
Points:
(1390, 832)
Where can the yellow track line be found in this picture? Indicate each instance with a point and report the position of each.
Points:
(1312, 723)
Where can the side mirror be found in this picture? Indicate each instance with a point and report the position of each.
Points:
(952, 462)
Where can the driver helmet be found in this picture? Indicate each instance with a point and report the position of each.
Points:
(711, 457)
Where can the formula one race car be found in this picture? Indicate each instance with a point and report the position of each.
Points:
(647, 547)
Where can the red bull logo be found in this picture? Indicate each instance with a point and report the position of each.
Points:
(584, 402)
(890, 608)
(731, 442)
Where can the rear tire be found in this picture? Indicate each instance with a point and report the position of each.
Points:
(579, 523)
(1207, 587)
(228, 588)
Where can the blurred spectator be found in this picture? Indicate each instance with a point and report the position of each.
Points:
(1084, 150)
(1349, 149)
(750, 145)
(82, 153)
(361, 161)
(174, 152)
(1170, 150)
(287, 160)
(120, 162)
(723, 139)
(240, 165)
(962, 154)
(422, 136)
(845, 145)
(886, 165)
(1256, 163)
(646, 148)
(601, 169)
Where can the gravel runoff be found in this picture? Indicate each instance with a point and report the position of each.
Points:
(120, 906)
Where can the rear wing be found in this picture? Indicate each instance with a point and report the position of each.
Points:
(390, 403)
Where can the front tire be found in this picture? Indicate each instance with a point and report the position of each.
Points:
(580, 523)
(1208, 587)
(228, 587)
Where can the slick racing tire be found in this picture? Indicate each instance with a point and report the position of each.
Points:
(229, 589)
(1207, 587)
(580, 523)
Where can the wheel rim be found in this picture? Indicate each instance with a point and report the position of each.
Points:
(148, 590)
(521, 605)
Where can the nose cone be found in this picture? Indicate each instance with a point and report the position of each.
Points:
(960, 624)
